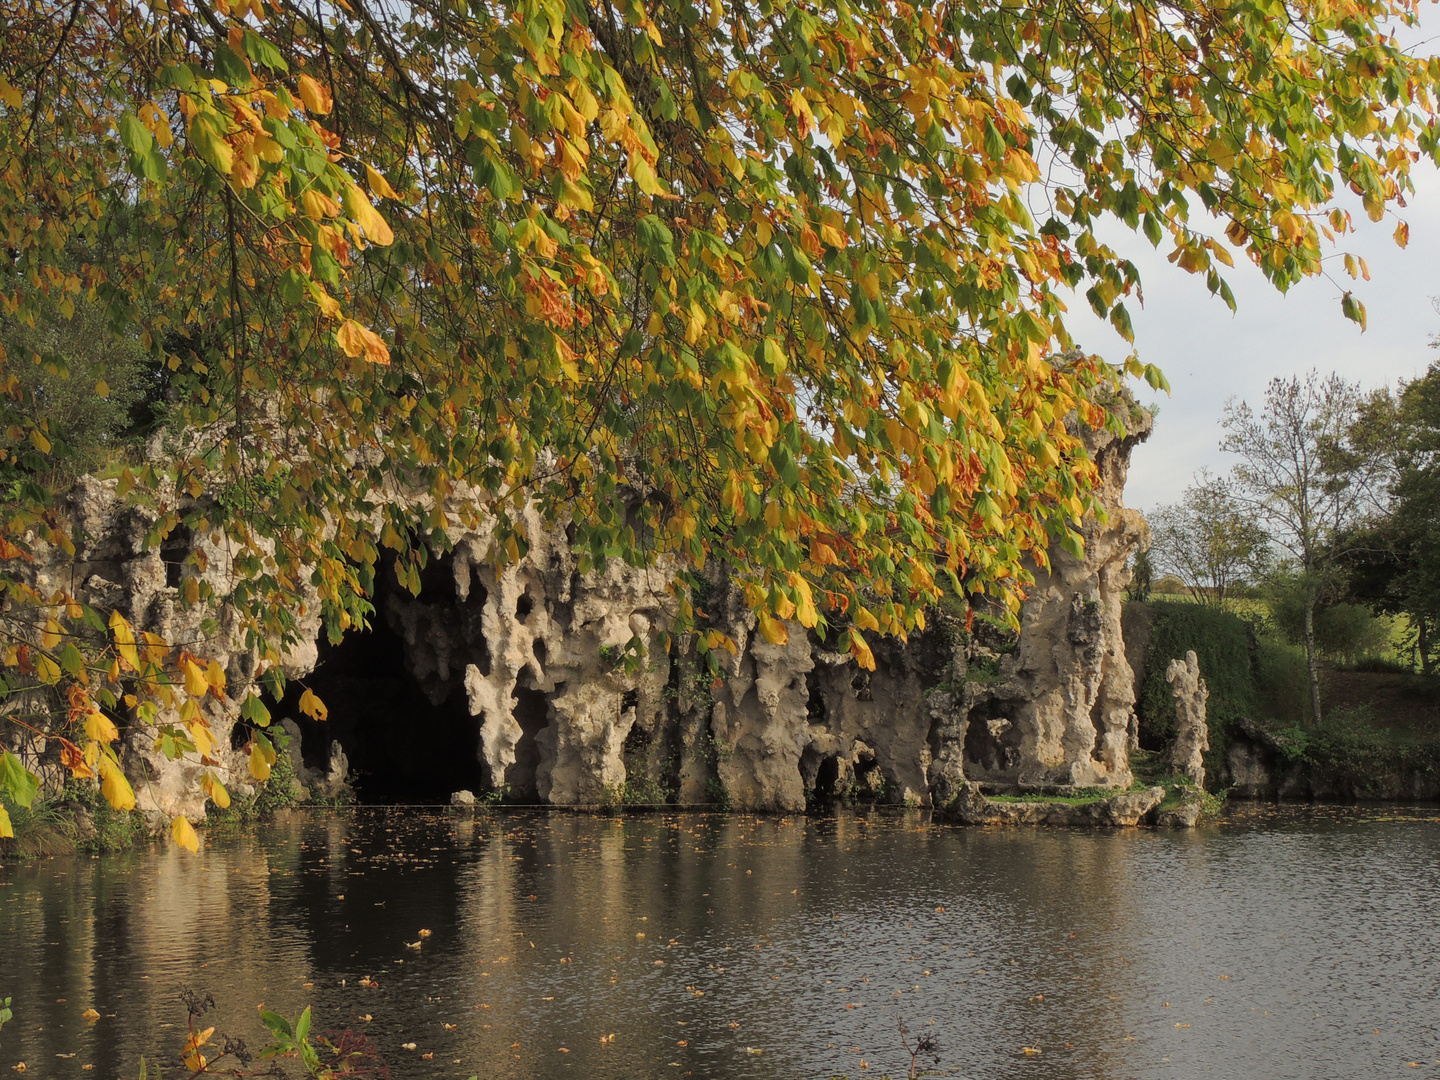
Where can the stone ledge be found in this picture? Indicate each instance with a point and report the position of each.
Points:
(973, 807)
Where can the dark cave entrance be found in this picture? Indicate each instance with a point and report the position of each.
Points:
(992, 742)
(409, 739)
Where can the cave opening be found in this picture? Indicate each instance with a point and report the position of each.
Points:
(827, 780)
(992, 742)
(405, 726)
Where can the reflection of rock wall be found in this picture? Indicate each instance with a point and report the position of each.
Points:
(575, 698)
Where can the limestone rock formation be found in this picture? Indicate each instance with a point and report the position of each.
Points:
(1061, 709)
(1192, 735)
(556, 686)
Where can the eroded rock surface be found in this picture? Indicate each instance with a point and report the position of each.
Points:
(1061, 707)
(1192, 735)
(570, 688)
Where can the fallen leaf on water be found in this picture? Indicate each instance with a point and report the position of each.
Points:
(1182, 1025)
(425, 933)
(367, 1018)
(407, 1046)
(682, 1042)
(412, 944)
(1030, 1051)
(449, 1027)
(427, 1057)
(91, 1015)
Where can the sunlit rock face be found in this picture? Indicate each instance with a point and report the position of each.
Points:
(538, 683)
(1059, 708)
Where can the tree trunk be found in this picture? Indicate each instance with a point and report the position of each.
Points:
(1312, 664)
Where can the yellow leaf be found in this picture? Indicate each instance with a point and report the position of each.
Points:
(10, 95)
(772, 630)
(113, 785)
(864, 619)
(200, 734)
(215, 790)
(50, 636)
(259, 767)
(102, 388)
(41, 442)
(215, 676)
(861, 651)
(195, 682)
(184, 834)
(124, 640)
(99, 727)
(378, 184)
(316, 97)
(644, 175)
(6, 829)
(318, 205)
(312, 706)
(1402, 234)
(377, 231)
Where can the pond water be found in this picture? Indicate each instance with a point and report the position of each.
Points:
(1281, 943)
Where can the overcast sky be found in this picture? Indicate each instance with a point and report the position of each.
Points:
(1208, 354)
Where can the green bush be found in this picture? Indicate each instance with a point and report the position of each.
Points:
(1221, 641)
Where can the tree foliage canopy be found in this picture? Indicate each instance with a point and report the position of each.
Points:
(776, 283)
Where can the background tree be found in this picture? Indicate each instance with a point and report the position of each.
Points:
(751, 282)
(1308, 478)
(1208, 540)
(1393, 563)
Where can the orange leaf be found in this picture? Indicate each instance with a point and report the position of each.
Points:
(359, 340)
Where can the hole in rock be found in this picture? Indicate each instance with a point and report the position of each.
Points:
(538, 650)
(524, 605)
(1097, 717)
(992, 742)
(401, 746)
(827, 780)
(815, 709)
(869, 779)
(174, 550)
(629, 700)
(531, 710)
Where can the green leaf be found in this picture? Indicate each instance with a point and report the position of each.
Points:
(1353, 309)
(20, 782)
(71, 660)
(656, 239)
(263, 53)
(1120, 319)
(135, 135)
(231, 68)
(277, 1024)
(254, 710)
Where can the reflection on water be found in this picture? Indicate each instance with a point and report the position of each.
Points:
(1280, 944)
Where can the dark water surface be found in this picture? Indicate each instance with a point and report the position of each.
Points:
(1283, 943)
